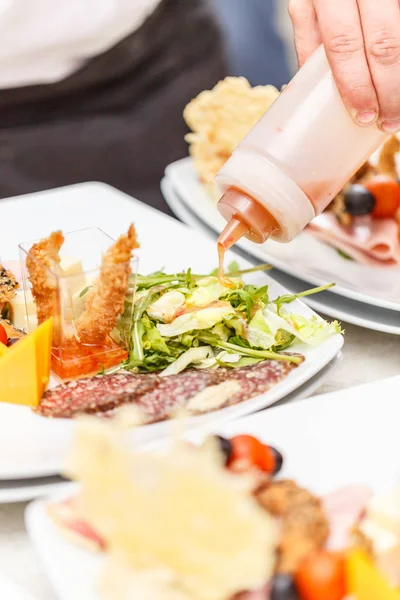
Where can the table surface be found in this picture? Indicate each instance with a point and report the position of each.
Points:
(367, 356)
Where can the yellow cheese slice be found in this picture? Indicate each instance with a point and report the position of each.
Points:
(365, 581)
(25, 367)
(43, 342)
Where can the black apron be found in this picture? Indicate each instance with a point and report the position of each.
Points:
(119, 118)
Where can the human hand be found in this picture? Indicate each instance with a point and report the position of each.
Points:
(362, 43)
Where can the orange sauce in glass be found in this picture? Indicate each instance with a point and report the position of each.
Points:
(73, 359)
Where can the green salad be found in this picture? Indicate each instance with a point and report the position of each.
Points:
(174, 321)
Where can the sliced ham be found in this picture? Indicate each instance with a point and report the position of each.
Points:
(66, 516)
(343, 509)
(381, 248)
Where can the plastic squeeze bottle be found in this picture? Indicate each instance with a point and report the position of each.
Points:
(294, 161)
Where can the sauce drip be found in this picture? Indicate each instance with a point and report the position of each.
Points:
(224, 281)
(233, 231)
(73, 359)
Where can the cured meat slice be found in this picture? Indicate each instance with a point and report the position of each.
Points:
(381, 249)
(67, 517)
(256, 379)
(343, 509)
(97, 394)
(174, 392)
(158, 397)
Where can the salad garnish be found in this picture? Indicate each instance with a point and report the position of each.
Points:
(185, 319)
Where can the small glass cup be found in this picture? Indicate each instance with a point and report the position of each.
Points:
(64, 299)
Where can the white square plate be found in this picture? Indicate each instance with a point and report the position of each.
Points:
(305, 257)
(32, 446)
(344, 438)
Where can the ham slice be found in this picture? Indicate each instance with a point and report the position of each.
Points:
(66, 516)
(381, 248)
(343, 509)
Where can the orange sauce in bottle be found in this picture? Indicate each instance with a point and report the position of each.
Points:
(74, 359)
(245, 217)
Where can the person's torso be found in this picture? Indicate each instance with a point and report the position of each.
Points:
(45, 41)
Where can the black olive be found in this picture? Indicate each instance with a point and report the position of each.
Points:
(226, 447)
(283, 588)
(278, 459)
(358, 201)
(12, 341)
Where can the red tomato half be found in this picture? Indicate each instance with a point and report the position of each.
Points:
(247, 448)
(3, 335)
(386, 192)
(321, 577)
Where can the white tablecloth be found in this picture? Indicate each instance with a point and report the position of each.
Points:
(368, 356)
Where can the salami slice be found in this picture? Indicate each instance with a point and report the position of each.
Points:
(97, 394)
(174, 392)
(158, 397)
(256, 379)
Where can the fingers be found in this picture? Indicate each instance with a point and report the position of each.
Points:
(381, 27)
(342, 35)
(306, 31)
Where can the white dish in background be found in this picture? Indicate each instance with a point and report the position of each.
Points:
(36, 447)
(322, 457)
(304, 257)
(22, 490)
(335, 306)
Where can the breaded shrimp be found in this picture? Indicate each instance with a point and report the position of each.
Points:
(42, 256)
(305, 527)
(105, 300)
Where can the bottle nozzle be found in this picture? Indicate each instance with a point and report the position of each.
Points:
(245, 217)
(233, 231)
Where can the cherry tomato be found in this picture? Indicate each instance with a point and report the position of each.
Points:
(386, 192)
(3, 335)
(321, 577)
(248, 448)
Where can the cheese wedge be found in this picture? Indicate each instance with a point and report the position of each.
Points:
(365, 581)
(25, 367)
(73, 269)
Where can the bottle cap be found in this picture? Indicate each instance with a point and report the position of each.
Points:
(268, 195)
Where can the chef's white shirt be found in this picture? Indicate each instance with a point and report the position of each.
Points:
(44, 41)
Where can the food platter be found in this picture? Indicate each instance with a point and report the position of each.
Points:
(305, 257)
(45, 440)
(314, 456)
(333, 305)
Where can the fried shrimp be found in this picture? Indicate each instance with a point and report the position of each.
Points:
(42, 256)
(105, 300)
(304, 524)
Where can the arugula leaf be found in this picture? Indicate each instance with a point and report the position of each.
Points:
(343, 254)
(288, 298)
(262, 354)
(84, 291)
(233, 267)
